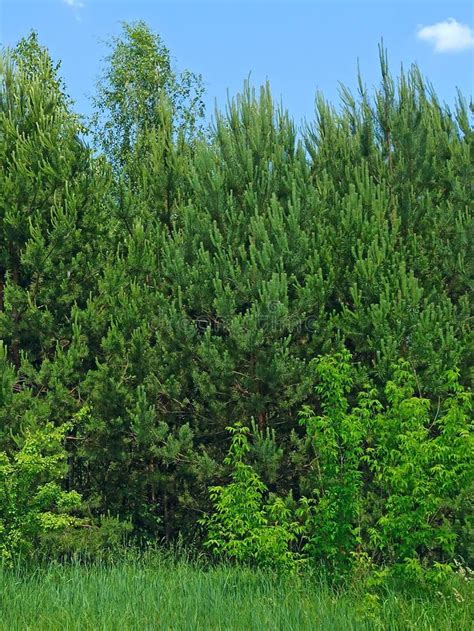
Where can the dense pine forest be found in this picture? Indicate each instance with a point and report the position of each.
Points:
(247, 338)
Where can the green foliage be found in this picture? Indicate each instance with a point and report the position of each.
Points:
(167, 284)
(32, 502)
(137, 79)
(244, 257)
(332, 513)
(51, 196)
(34, 62)
(390, 483)
(420, 455)
(246, 526)
(104, 538)
(393, 480)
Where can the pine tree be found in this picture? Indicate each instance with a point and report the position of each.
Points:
(179, 283)
(53, 237)
(248, 255)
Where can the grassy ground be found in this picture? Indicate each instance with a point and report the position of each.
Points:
(185, 597)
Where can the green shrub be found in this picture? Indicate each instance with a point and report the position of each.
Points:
(392, 479)
(389, 483)
(246, 525)
(332, 512)
(104, 538)
(420, 456)
(32, 502)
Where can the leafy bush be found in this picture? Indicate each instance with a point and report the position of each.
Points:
(246, 525)
(32, 502)
(332, 512)
(391, 480)
(420, 457)
(390, 483)
(104, 539)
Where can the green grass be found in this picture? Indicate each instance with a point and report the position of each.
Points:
(184, 596)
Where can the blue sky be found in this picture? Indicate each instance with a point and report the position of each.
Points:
(300, 46)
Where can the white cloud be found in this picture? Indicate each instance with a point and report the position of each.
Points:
(447, 36)
(75, 4)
